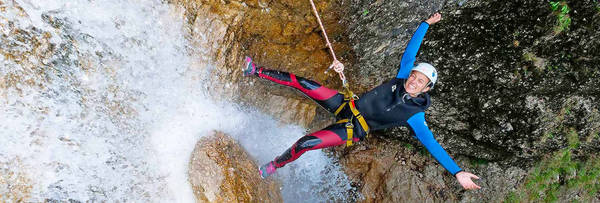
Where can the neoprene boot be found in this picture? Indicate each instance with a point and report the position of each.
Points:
(267, 169)
(249, 68)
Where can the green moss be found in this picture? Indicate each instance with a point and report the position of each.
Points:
(547, 136)
(516, 33)
(552, 67)
(573, 139)
(512, 197)
(528, 56)
(563, 20)
(408, 146)
(424, 152)
(560, 174)
(479, 162)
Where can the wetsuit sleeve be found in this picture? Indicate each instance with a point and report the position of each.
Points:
(419, 126)
(410, 53)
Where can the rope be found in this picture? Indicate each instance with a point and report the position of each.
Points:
(335, 63)
(349, 96)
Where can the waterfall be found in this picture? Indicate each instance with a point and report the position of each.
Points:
(98, 103)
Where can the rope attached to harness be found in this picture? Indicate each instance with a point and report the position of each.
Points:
(349, 96)
(335, 61)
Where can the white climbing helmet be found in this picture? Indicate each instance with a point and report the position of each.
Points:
(428, 70)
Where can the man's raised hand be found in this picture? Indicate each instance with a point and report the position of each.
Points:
(436, 17)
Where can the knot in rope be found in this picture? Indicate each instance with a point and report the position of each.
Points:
(339, 68)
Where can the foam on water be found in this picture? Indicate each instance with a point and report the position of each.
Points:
(114, 114)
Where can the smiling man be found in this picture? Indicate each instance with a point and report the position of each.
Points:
(401, 101)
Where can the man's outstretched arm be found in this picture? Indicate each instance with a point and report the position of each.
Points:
(410, 53)
(425, 136)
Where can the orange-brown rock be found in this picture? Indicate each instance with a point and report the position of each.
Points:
(15, 186)
(385, 171)
(282, 35)
(221, 171)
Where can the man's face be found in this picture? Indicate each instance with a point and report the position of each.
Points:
(416, 83)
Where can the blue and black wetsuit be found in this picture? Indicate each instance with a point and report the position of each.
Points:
(387, 105)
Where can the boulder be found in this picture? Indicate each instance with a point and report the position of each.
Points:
(221, 171)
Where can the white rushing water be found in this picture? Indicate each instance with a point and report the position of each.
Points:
(97, 103)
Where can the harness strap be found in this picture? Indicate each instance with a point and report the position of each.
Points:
(340, 108)
(361, 119)
(349, 130)
(349, 98)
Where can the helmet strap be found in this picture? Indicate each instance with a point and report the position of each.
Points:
(430, 85)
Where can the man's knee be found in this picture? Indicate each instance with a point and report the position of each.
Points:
(307, 84)
(278, 75)
(307, 142)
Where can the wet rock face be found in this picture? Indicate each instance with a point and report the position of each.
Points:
(398, 174)
(506, 75)
(386, 170)
(510, 76)
(378, 32)
(221, 171)
(511, 87)
(281, 35)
